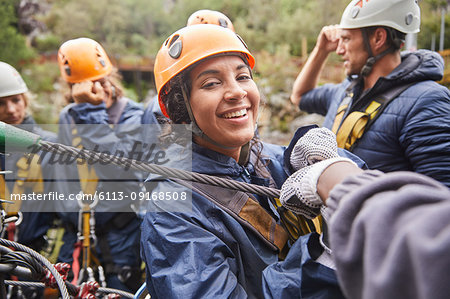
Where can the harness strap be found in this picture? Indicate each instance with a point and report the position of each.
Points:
(355, 123)
(87, 175)
(246, 210)
(296, 225)
(352, 129)
(75, 262)
(28, 176)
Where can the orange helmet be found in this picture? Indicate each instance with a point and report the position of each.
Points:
(83, 59)
(206, 16)
(190, 45)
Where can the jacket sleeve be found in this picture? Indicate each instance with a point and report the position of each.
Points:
(390, 235)
(184, 258)
(319, 99)
(124, 139)
(426, 133)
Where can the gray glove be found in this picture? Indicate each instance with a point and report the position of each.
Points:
(299, 191)
(312, 154)
(316, 145)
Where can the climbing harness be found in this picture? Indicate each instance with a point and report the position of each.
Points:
(354, 118)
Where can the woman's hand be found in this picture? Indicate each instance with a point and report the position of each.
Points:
(88, 92)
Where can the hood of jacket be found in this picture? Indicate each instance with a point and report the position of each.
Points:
(418, 66)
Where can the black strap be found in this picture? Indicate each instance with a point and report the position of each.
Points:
(385, 98)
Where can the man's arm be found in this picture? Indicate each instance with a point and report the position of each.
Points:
(327, 42)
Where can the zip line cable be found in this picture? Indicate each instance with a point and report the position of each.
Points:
(164, 171)
(21, 140)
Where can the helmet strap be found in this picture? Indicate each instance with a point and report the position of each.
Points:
(195, 128)
(367, 68)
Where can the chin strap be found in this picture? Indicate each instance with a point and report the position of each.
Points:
(367, 68)
(195, 128)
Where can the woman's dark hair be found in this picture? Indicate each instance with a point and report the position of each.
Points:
(173, 98)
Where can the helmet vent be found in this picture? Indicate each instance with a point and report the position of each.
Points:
(173, 40)
(175, 47)
(355, 11)
(409, 18)
(223, 23)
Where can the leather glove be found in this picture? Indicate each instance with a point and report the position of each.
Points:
(316, 145)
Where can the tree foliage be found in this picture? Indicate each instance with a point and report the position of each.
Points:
(277, 32)
(13, 48)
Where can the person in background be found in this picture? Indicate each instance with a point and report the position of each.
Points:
(207, 16)
(100, 118)
(215, 242)
(389, 111)
(389, 233)
(28, 175)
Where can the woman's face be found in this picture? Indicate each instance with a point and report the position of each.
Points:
(224, 100)
(13, 109)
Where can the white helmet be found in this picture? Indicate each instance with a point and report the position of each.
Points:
(11, 83)
(402, 15)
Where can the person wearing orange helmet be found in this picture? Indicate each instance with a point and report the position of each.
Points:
(214, 242)
(99, 118)
(152, 113)
(207, 16)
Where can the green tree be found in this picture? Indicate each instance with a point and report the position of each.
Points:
(13, 48)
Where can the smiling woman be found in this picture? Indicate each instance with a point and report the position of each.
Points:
(219, 246)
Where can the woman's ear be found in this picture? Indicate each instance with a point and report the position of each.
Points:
(25, 98)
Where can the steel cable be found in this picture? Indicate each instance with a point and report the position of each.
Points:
(42, 285)
(164, 171)
(44, 261)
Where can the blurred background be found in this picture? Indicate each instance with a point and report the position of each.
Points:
(280, 33)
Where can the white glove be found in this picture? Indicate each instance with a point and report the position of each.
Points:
(299, 191)
(316, 145)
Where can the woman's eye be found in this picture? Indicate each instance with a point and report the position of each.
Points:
(244, 77)
(209, 84)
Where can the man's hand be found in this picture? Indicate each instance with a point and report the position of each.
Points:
(88, 92)
(328, 38)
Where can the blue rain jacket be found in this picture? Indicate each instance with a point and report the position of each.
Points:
(413, 132)
(34, 225)
(203, 252)
(123, 241)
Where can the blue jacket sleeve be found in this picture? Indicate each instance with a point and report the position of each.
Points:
(299, 275)
(426, 133)
(319, 99)
(91, 122)
(185, 259)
